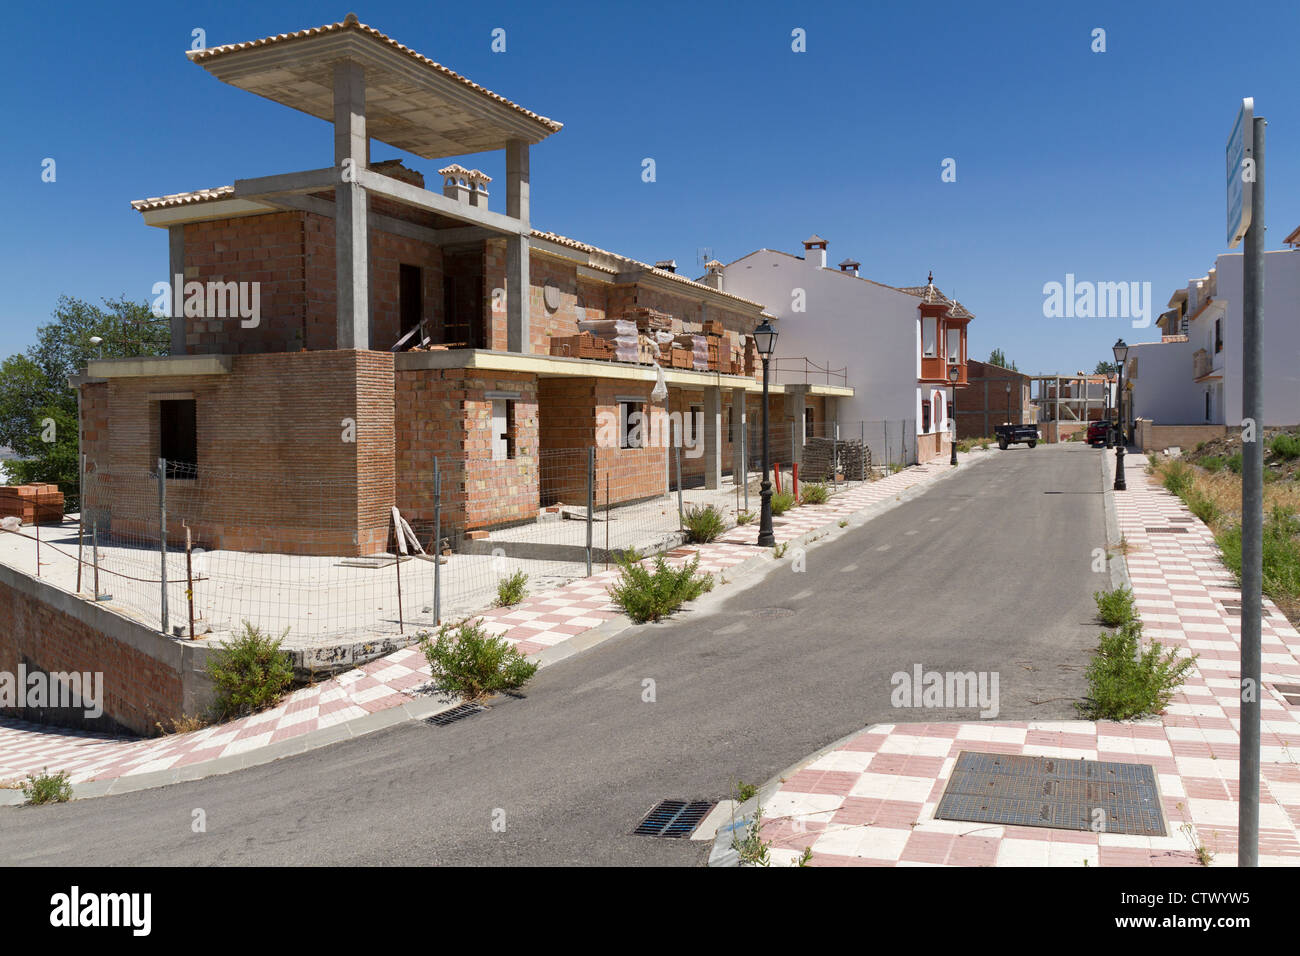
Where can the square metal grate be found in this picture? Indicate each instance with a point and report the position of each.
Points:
(1048, 792)
(1290, 693)
(673, 818)
(459, 712)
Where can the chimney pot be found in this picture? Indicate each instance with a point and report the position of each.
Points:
(668, 265)
(455, 183)
(814, 250)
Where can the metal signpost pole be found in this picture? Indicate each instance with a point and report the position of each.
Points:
(1246, 209)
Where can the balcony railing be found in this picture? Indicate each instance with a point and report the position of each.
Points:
(796, 370)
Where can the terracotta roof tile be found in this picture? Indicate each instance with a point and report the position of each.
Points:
(350, 22)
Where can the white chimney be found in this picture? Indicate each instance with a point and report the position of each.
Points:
(478, 194)
(848, 265)
(814, 250)
(454, 184)
(713, 274)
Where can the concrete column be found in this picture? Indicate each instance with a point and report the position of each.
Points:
(713, 436)
(739, 434)
(517, 281)
(175, 275)
(351, 239)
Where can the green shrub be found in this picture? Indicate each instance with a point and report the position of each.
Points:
(251, 673)
(511, 590)
(1213, 463)
(896, 467)
(1234, 464)
(703, 523)
(1126, 680)
(1285, 446)
(646, 595)
(465, 660)
(744, 517)
(782, 501)
(1281, 554)
(1114, 607)
(1178, 478)
(815, 493)
(1201, 506)
(46, 787)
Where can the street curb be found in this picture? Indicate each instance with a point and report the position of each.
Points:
(1117, 562)
(420, 710)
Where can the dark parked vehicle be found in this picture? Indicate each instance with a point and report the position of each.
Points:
(1097, 433)
(1016, 435)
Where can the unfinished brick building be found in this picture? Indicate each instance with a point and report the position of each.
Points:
(398, 324)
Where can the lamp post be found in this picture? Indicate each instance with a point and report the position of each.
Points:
(954, 373)
(765, 341)
(1120, 351)
(1008, 403)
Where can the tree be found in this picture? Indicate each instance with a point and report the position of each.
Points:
(1105, 368)
(38, 411)
(999, 359)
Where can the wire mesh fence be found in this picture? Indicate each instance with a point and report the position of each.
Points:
(326, 559)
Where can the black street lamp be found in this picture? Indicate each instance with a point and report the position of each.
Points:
(1008, 403)
(765, 341)
(1121, 353)
(954, 373)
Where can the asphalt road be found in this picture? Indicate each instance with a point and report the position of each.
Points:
(989, 570)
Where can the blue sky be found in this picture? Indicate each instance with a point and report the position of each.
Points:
(1105, 165)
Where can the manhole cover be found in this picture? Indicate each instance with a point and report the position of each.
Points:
(1049, 792)
(459, 712)
(673, 819)
(771, 612)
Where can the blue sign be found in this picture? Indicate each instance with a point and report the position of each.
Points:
(1240, 172)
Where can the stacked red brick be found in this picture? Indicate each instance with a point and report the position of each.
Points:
(32, 504)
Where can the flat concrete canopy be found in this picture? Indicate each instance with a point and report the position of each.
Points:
(411, 102)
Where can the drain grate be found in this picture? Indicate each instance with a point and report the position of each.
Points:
(1048, 792)
(1290, 693)
(459, 712)
(1166, 531)
(673, 819)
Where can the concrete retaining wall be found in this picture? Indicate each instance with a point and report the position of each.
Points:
(146, 677)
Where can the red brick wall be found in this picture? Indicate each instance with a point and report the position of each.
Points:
(447, 414)
(275, 473)
(268, 250)
(138, 689)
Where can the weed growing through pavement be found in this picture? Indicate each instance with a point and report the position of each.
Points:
(1114, 608)
(648, 595)
(511, 590)
(782, 501)
(251, 673)
(744, 517)
(704, 523)
(1127, 680)
(46, 787)
(815, 493)
(752, 848)
(465, 660)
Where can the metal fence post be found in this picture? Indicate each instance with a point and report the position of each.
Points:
(162, 539)
(681, 514)
(888, 454)
(437, 543)
(744, 460)
(591, 499)
(81, 516)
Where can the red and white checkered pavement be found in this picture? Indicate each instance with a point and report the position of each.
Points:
(540, 621)
(871, 802)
